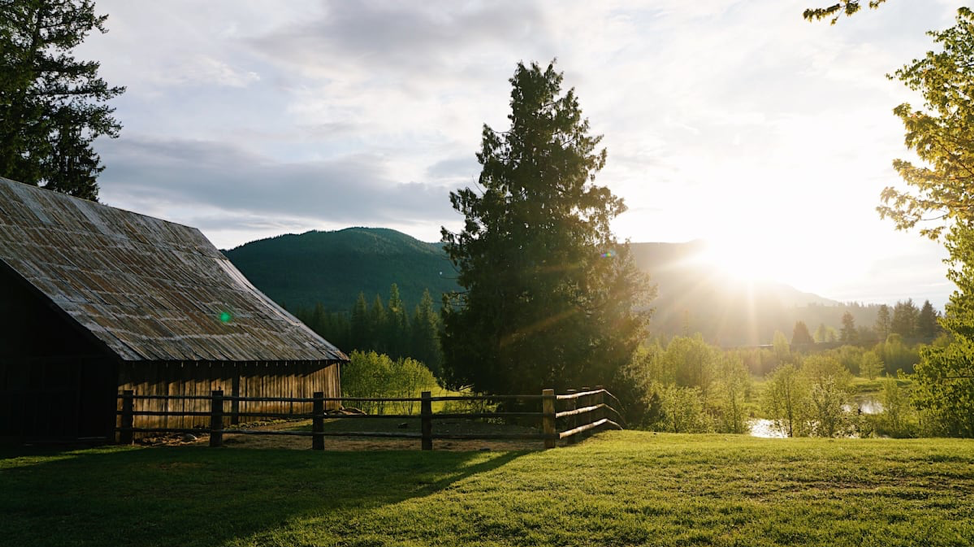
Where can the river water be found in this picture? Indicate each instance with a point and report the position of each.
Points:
(764, 428)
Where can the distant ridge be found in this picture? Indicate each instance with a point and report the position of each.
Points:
(333, 267)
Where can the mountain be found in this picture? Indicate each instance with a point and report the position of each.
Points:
(694, 296)
(333, 267)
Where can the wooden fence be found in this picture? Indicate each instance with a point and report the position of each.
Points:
(584, 412)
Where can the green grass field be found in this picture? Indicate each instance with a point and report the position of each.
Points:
(620, 488)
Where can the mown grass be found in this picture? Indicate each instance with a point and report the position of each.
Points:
(620, 488)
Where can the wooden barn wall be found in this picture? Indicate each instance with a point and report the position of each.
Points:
(249, 379)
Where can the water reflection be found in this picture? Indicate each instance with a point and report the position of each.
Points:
(767, 429)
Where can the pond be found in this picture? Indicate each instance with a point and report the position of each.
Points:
(764, 428)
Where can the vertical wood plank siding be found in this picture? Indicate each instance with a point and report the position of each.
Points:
(255, 379)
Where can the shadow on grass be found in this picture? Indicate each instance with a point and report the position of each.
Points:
(202, 496)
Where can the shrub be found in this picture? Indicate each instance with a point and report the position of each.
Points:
(375, 375)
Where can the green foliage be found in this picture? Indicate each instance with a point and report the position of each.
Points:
(829, 389)
(825, 334)
(690, 387)
(842, 7)
(944, 388)
(332, 268)
(905, 318)
(782, 350)
(688, 362)
(800, 335)
(549, 293)
(871, 365)
(425, 335)
(897, 418)
(928, 324)
(897, 355)
(682, 410)
(786, 401)
(850, 357)
(883, 322)
(374, 375)
(939, 135)
(848, 334)
(52, 106)
(729, 393)
(383, 328)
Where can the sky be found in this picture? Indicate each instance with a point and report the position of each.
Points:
(733, 121)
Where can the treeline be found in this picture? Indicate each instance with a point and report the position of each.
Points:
(385, 327)
(912, 324)
(690, 386)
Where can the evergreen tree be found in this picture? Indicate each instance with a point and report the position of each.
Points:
(52, 106)
(549, 293)
(359, 336)
(377, 324)
(425, 343)
(800, 335)
(904, 323)
(927, 322)
(848, 334)
(396, 330)
(882, 322)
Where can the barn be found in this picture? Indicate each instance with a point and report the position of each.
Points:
(96, 300)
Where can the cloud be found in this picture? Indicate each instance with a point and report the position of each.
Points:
(355, 189)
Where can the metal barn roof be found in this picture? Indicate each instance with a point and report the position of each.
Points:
(149, 289)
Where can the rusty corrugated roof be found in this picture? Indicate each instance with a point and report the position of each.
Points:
(148, 288)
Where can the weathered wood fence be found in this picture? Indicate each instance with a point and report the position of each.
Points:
(583, 412)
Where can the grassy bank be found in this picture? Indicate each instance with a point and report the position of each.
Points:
(622, 488)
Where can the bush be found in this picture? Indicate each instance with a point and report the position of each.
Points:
(375, 375)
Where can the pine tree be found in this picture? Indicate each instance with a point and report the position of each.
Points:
(927, 322)
(378, 320)
(425, 343)
(359, 336)
(548, 292)
(904, 323)
(848, 334)
(800, 335)
(882, 322)
(52, 106)
(397, 325)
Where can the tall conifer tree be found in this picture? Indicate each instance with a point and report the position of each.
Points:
(52, 106)
(548, 292)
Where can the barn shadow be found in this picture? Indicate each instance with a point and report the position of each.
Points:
(203, 496)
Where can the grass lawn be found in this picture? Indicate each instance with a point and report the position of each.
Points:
(620, 488)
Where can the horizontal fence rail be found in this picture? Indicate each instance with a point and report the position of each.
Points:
(584, 412)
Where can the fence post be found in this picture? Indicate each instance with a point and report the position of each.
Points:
(599, 399)
(572, 421)
(128, 418)
(426, 419)
(235, 391)
(318, 422)
(216, 418)
(584, 401)
(548, 417)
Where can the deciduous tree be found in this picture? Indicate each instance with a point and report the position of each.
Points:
(842, 7)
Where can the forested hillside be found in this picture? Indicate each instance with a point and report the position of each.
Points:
(332, 268)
